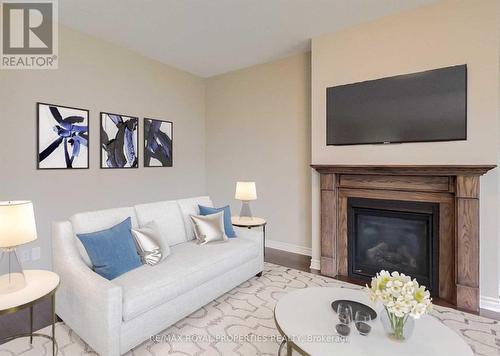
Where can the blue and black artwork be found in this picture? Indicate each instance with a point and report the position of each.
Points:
(62, 137)
(119, 141)
(158, 143)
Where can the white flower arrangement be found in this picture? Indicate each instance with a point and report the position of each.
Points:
(402, 297)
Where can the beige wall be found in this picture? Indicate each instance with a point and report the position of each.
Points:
(259, 124)
(258, 129)
(98, 76)
(448, 33)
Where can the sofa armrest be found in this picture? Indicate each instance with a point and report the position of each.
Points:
(88, 303)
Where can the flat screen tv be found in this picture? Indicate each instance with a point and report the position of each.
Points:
(417, 107)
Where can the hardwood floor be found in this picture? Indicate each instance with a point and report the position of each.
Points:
(287, 259)
(19, 322)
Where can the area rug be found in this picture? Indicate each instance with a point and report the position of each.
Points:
(241, 322)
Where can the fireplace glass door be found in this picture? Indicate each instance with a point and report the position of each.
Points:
(395, 236)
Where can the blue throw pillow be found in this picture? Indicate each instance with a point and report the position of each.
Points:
(228, 226)
(112, 251)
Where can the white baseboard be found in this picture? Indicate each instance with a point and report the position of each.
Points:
(284, 246)
(489, 303)
(315, 264)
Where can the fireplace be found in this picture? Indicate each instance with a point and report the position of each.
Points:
(395, 236)
(436, 207)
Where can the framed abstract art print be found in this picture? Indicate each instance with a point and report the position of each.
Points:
(119, 137)
(63, 137)
(158, 146)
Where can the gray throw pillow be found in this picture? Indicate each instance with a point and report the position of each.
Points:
(147, 239)
(209, 228)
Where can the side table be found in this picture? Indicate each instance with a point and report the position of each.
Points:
(251, 222)
(39, 284)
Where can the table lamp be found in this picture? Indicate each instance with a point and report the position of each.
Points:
(17, 227)
(245, 191)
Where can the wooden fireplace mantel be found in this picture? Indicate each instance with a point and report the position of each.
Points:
(454, 187)
(419, 170)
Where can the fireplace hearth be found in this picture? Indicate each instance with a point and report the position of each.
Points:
(393, 235)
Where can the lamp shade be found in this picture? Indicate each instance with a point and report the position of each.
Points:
(245, 191)
(17, 223)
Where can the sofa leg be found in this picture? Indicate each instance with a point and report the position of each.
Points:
(259, 274)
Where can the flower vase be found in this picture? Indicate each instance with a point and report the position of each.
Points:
(397, 328)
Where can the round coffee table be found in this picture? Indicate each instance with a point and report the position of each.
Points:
(307, 321)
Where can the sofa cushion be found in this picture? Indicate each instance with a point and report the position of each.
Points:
(92, 221)
(189, 265)
(228, 225)
(190, 207)
(167, 216)
(148, 239)
(112, 251)
(209, 228)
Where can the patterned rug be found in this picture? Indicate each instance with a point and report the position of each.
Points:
(241, 323)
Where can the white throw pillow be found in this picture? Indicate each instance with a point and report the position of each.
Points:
(151, 247)
(189, 207)
(209, 228)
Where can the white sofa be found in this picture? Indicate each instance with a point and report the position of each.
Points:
(115, 316)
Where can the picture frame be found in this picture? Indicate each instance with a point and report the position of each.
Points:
(62, 137)
(119, 137)
(158, 143)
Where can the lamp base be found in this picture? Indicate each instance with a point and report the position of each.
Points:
(14, 279)
(245, 211)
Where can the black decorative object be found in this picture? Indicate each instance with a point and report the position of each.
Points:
(158, 147)
(355, 307)
(63, 136)
(119, 138)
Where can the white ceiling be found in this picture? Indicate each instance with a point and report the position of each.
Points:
(210, 37)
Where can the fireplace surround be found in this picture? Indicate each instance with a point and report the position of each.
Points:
(452, 190)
